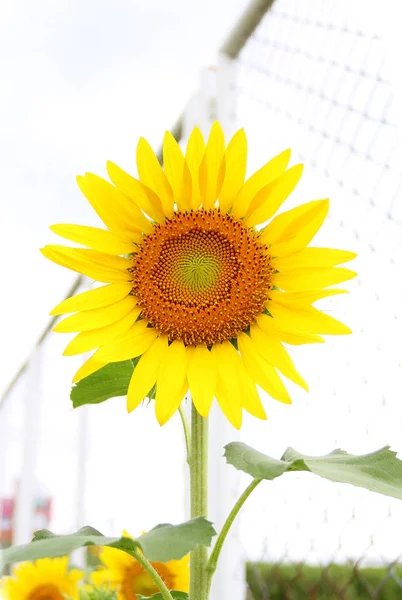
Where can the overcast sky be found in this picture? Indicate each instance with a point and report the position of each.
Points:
(80, 81)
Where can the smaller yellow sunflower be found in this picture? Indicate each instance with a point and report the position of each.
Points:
(44, 579)
(125, 574)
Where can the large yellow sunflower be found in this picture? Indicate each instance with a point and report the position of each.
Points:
(44, 579)
(123, 573)
(200, 287)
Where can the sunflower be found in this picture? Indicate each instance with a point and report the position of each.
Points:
(124, 573)
(203, 285)
(44, 579)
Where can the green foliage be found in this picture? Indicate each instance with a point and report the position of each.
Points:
(303, 582)
(172, 542)
(379, 471)
(98, 594)
(161, 544)
(174, 594)
(109, 382)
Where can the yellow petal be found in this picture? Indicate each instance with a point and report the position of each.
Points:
(194, 153)
(171, 381)
(90, 366)
(286, 334)
(89, 340)
(137, 340)
(265, 204)
(152, 175)
(95, 265)
(250, 399)
(310, 278)
(201, 378)
(145, 373)
(274, 353)
(302, 298)
(212, 168)
(131, 217)
(308, 319)
(228, 392)
(294, 229)
(97, 239)
(101, 296)
(116, 560)
(261, 371)
(143, 196)
(97, 317)
(236, 161)
(257, 181)
(313, 257)
(105, 211)
(177, 172)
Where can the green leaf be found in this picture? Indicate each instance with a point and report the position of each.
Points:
(256, 464)
(109, 382)
(47, 544)
(172, 542)
(44, 534)
(161, 544)
(379, 471)
(174, 594)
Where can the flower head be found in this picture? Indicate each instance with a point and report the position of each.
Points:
(124, 573)
(205, 284)
(44, 579)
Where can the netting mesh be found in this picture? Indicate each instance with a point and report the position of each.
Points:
(315, 77)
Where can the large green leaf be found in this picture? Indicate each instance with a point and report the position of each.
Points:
(109, 382)
(379, 471)
(163, 543)
(172, 542)
(47, 544)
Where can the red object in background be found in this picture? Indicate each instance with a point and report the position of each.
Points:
(41, 518)
(6, 520)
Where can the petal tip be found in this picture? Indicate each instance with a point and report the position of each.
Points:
(111, 166)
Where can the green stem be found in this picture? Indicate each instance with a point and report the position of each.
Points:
(199, 500)
(213, 559)
(154, 575)
(186, 429)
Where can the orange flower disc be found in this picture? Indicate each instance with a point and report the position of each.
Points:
(202, 277)
(137, 581)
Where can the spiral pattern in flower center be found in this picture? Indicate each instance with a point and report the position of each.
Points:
(202, 277)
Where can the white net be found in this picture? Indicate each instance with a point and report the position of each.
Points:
(315, 77)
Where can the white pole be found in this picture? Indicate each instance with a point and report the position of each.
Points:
(27, 486)
(229, 580)
(78, 557)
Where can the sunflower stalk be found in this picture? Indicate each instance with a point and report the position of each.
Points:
(199, 501)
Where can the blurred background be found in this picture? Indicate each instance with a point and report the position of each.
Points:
(80, 83)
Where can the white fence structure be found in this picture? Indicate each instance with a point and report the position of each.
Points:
(318, 77)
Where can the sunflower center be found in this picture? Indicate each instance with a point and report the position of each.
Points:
(138, 582)
(45, 592)
(202, 277)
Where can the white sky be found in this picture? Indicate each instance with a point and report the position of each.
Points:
(80, 81)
